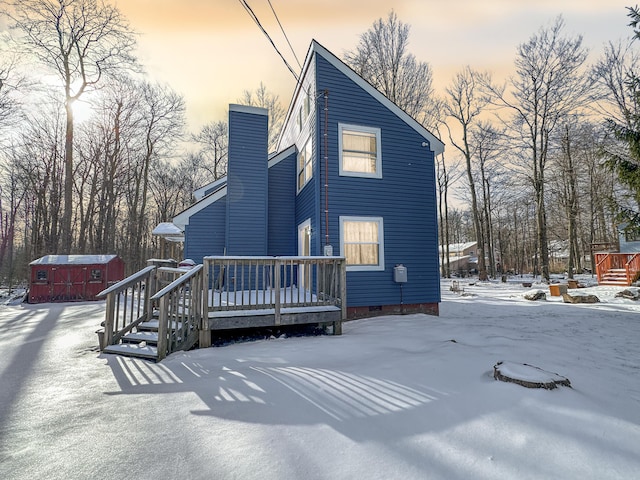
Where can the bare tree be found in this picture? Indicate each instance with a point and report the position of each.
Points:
(488, 143)
(261, 97)
(81, 41)
(464, 104)
(382, 59)
(159, 127)
(213, 140)
(10, 82)
(549, 84)
(617, 96)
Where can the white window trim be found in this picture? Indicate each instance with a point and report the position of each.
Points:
(304, 169)
(362, 268)
(360, 128)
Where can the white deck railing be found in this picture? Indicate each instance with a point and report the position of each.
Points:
(273, 284)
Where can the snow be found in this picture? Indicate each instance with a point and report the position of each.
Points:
(166, 228)
(409, 397)
(73, 259)
(528, 373)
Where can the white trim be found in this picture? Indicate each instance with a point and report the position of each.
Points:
(301, 227)
(308, 142)
(360, 128)
(436, 144)
(301, 236)
(276, 158)
(356, 268)
(198, 194)
(182, 219)
(234, 107)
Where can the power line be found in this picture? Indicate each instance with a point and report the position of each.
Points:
(255, 19)
(285, 35)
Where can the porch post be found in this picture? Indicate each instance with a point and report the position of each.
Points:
(204, 335)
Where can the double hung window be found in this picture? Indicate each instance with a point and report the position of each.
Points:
(362, 242)
(360, 151)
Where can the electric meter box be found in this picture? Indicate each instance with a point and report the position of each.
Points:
(400, 274)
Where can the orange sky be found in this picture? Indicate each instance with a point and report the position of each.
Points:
(210, 50)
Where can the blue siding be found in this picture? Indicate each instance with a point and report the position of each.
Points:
(308, 201)
(247, 182)
(404, 196)
(282, 231)
(205, 234)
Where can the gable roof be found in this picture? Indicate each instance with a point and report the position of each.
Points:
(219, 191)
(436, 144)
(182, 219)
(201, 192)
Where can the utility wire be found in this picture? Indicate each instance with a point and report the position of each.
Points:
(255, 19)
(285, 35)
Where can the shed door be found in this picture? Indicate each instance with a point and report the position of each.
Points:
(68, 283)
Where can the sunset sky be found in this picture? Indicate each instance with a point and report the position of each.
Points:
(211, 50)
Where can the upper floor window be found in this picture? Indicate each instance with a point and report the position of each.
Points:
(303, 111)
(362, 242)
(360, 151)
(632, 235)
(305, 164)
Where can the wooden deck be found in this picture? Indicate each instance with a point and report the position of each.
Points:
(620, 269)
(251, 292)
(161, 310)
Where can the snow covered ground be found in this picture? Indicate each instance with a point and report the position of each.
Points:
(404, 397)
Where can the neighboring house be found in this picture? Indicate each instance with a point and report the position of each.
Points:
(463, 257)
(629, 239)
(353, 176)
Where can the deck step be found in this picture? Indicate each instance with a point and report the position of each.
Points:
(152, 325)
(149, 352)
(148, 336)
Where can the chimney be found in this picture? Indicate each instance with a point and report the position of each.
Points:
(247, 181)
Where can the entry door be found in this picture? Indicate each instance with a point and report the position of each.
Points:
(304, 250)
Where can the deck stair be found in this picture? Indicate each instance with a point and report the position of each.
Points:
(151, 317)
(141, 323)
(615, 276)
(617, 269)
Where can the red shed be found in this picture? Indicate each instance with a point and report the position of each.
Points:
(66, 278)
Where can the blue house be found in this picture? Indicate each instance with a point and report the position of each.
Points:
(353, 175)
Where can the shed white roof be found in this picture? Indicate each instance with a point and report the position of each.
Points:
(73, 259)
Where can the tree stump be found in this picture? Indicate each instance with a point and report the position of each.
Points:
(528, 376)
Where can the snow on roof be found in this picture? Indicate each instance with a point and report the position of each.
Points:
(73, 259)
(166, 228)
(459, 247)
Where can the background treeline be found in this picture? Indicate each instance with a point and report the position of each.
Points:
(536, 164)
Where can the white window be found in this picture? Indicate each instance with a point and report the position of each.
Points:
(360, 151)
(303, 111)
(362, 242)
(305, 164)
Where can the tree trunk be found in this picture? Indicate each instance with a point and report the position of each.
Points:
(66, 232)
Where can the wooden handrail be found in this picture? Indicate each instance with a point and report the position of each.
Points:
(632, 267)
(186, 275)
(128, 304)
(180, 312)
(127, 282)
